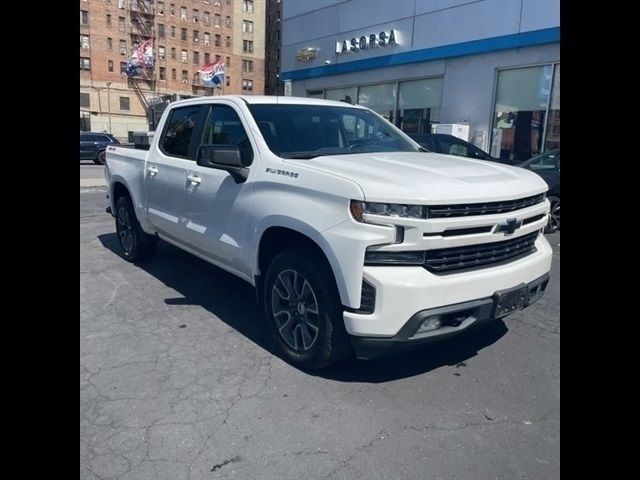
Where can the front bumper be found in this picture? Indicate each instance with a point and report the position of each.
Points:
(455, 319)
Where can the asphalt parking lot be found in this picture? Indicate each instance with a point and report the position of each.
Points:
(178, 381)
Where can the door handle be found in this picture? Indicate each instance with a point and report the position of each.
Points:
(195, 179)
(153, 171)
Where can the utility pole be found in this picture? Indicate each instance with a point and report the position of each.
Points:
(109, 104)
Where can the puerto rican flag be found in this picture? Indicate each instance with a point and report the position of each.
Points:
(212, 75)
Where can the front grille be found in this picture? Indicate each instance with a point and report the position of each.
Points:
(488, 208)
(447, 260)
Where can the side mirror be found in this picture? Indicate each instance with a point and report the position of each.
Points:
(223, 157)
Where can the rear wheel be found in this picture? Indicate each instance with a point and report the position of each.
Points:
(554, 215)
(101, 158)
(136, 245)
(303, 309)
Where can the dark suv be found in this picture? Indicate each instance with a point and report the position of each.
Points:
(93, 146)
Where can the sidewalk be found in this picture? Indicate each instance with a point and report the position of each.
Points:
(92, 176)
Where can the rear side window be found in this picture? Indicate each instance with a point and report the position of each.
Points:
(224, 127)
(182, 127)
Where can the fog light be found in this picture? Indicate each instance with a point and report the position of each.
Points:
(431, 323)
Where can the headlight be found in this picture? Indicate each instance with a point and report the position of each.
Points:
(399, 210)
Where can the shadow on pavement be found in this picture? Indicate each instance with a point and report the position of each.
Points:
(232, 300)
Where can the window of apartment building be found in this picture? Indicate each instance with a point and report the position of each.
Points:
(183, 34)
(173, 74)
(207, 58)
(84, 41)
(183, 56)
(185, 76)
(217, 20)
(205, 18)
(207, 38)
(173, 31)
(124, 103)
(196, 58)
(110, 65)
(172, 9)
(247, 6)
(217, 40)
(108, 20)
(247, 26)
(227, 22)
(160, 30)
(228, 62)
(134, 47)
(228, 80)
(228, 2)
(85, 63)
(228, 42)
(196, 36)
(173, 53)
(247, 66)
(163, 73)
(527, 101)
(84, 17)
(247, 85)
(218, 57)
(123, 68)
(109, 43)
(85, 100)
(123, 47)
(183, 13)
(160, 9)
(247, 46)
(195, 14)
(161, 53)
(121, 24)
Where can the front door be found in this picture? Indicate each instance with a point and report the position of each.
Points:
(165, 173)
(216, 207)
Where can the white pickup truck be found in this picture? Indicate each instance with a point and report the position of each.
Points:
(355, 238)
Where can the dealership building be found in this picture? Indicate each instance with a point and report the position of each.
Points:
(492, 66)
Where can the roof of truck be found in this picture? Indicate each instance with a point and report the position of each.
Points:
(258, 99)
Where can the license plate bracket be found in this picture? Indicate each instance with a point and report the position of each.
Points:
(510, 300)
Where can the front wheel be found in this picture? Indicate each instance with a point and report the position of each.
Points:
(554, 215)
(303, 310)
(136, 245)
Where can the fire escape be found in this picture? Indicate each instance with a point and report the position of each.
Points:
(142, 21)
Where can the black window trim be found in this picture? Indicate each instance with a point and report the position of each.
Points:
(196, 138)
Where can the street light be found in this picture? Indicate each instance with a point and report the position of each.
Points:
(109, 104)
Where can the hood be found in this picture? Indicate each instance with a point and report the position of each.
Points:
(428, 178)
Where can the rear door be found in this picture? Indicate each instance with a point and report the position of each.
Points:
(88, 145)
(167, 165)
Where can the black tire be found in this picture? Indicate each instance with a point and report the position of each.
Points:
(136, 245)
(330, 344)
(554, 215)
(101, 158)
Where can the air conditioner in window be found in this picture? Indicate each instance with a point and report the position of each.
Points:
(185, 82)
(206, 43)
(196, 40)
(195, 20)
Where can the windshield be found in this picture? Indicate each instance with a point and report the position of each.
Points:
(308, 131)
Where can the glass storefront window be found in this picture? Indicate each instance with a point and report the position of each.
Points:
(419, 105)
(348, 95)
(520, 112)
(379, 98)
(552, 133)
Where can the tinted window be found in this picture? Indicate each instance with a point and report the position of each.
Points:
(307, 131)
(547, 162)
(181, 126)
(225, 128)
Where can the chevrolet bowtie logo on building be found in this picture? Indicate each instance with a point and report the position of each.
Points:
(510, 226)
(306, 54)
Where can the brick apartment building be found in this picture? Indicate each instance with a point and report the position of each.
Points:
(187, 34)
